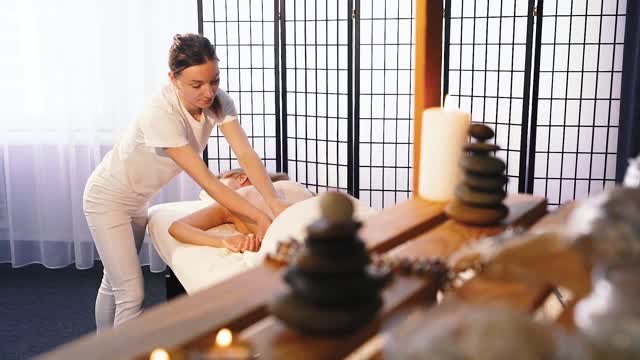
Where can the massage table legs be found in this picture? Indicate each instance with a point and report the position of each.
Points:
(174, 287)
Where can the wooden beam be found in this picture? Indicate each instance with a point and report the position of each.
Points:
(428, 70)
(402, 222)
(447, 238)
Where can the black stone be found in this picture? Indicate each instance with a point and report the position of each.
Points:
(334, 289)
(483, 165)
(481, 132)
(480, 148)
(314, 319)
(323, 229)
(478, 198)
(344, 246)
(314, 263)
(466, 214)
(485, 183)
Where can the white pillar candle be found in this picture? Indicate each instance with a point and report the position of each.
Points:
(444, 133)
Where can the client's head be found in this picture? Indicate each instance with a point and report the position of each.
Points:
(237, 178)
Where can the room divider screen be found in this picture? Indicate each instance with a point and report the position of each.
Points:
(384, 63)
(244, 33)
(487, 67)
(317, 101)
(302, 72)
(576, 107)
(325, 88)
(546, 75)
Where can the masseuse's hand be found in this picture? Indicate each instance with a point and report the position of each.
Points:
(262, 224)
(241, 243)
(278, 205)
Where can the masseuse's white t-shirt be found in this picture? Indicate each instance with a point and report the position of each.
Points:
(138, 160)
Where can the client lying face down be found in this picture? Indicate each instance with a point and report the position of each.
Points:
(237, 178)
(191, 229)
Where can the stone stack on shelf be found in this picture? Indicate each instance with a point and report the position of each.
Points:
(334, 290)
(478, 197)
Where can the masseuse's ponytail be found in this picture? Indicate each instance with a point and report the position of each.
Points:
(189, 50)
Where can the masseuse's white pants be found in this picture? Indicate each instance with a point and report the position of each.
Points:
(117, 220)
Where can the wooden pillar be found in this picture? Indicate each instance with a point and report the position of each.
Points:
(428, 70)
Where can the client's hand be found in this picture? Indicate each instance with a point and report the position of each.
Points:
(241, 243)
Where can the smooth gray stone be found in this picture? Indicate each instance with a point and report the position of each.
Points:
(336, 207)
(480, 148)
(470, 215)
(479, 198)
(485, 183)
(480, 131)
(483, 165)
(308, 318)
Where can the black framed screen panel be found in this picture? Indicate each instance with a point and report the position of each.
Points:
(578, 102)
(386, 83)
(244, 34)
(487, 70)
(316, 93)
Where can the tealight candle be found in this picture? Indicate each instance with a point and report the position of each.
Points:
(226, 347)
(159, 354)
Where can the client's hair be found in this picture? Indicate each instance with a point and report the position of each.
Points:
(234, 173)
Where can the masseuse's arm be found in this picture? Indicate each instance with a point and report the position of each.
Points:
(191, 229)
(252, 165)
(191, 162)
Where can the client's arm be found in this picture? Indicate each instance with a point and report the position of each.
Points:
(191, 230)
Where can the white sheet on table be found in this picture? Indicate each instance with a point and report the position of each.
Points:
(195, 266)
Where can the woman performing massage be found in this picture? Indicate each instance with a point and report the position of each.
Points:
(191, 229)
(166, 139)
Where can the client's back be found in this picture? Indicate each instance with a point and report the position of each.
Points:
(291, 191)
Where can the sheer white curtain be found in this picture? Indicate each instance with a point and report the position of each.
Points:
(74, 74)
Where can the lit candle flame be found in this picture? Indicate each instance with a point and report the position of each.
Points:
(224, 338)
(159, 354)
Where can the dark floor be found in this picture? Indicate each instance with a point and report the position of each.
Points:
(42, 308)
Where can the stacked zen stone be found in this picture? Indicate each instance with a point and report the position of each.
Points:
(478, 198)
(334, 291)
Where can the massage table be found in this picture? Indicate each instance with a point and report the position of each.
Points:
(199, 267)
